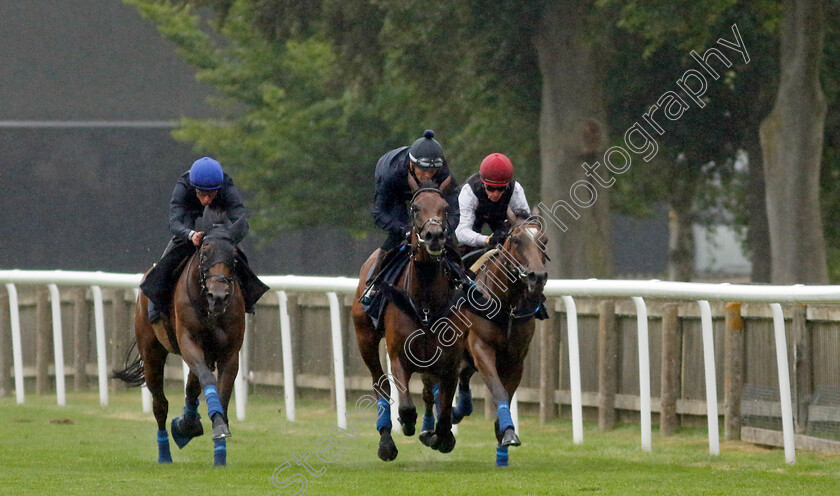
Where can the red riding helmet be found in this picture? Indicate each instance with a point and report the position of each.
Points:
(496, 170)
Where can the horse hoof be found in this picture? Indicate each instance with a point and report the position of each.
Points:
(443, 443)
(408, 420)
(426, 438)
(510, 438)
(387, 448)
(183, 430)
(221, 431)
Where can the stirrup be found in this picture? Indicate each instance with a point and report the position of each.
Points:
(368, 295)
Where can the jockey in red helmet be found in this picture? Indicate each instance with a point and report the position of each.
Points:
(487, 198)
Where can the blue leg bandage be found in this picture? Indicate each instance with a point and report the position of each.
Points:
(164, 456)
(428, 422)
(501, 456)
(384, 419)
(465, 406)
(505, 419)
(212, 397)
(436, 392)
(220, 452)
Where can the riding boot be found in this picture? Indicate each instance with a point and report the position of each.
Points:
(154, 314)
(372, 287)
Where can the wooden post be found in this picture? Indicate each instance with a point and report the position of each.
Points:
(120, 336)
(671, 348)
(81, 339)
(43, 342)
(802, 385)
(733, 371)
(5, 347)
(548, 365)
(607, 365)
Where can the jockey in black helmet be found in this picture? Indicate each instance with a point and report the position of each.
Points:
(423, 160)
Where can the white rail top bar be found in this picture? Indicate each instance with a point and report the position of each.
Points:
(554, 287)
(114, 280)
(693, 290)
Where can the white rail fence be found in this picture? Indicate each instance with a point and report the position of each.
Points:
(566, 289)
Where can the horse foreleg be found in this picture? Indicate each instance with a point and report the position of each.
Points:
(407, 412)
(444, 440)
(484, 356)
(194, 356)
(188, 426)
(428, 429)
(228, 369)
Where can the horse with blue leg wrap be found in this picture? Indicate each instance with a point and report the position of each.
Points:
(513, 276)
(421, 295)
(206, 326)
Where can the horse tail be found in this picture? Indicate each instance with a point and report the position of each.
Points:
(132, 374)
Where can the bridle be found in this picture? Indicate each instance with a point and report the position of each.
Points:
(432, 221)
(204, 266)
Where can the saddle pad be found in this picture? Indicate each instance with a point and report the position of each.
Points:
(483, 258)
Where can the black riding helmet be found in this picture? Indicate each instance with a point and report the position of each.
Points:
(426, 153)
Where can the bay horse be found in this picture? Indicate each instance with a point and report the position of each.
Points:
(206, 326)
(415, 341)
(513, 277)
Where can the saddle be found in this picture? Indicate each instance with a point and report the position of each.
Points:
(392, 272)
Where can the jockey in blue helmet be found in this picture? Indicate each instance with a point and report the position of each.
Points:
(204, 184)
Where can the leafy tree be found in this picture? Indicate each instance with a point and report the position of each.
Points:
(327, 86)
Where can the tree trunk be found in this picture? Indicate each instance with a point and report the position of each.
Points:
(792, 142)
(572, 131)
(681, 247)
(758, 236)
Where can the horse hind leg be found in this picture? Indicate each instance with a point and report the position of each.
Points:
(153, 362)
(368, 341)
(464, 408)
(188, 426)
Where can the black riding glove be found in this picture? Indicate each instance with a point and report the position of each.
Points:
(497, 238)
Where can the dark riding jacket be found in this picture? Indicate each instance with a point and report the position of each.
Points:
(393, 192)
(185, 207)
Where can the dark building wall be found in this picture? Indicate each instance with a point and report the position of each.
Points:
(90, 60)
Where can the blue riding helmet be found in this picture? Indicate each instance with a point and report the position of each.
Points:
(206, 174)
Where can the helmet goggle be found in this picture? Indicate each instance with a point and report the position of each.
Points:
(427, 163)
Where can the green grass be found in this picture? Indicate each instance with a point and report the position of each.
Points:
(89, 450)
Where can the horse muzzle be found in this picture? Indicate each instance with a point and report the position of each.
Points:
(433, 241)
(217, 301)
(535, 281)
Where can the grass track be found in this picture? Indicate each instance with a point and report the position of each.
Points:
(88, 450)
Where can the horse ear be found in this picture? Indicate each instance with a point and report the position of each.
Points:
(205, 221)
(239, 229)
(412, 183)
(447, 185)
